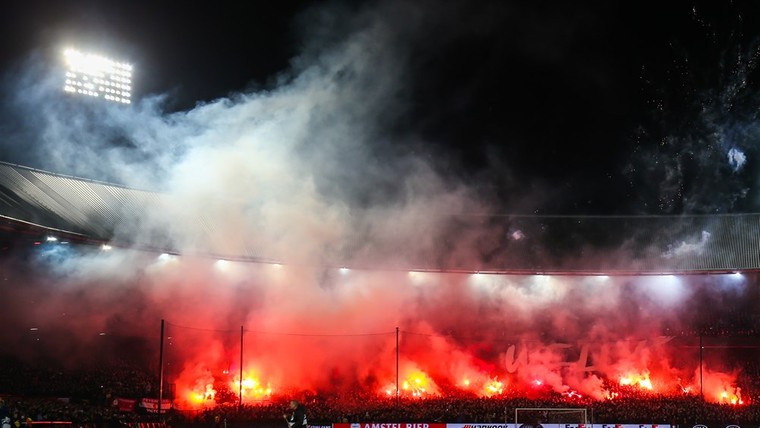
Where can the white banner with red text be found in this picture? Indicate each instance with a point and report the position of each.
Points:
(151, 405)
(124, 404)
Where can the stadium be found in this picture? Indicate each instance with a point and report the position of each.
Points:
(517, 332)
(206, 266)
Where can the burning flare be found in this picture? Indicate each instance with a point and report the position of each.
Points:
(251, 388)
(633, 379)
(416, 384)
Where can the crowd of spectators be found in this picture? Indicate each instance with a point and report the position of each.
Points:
(631, 406)
(634, 409)
(727, 322)
(86, 397)
(96, 383)
(22, 412)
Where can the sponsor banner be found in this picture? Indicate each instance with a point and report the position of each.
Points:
(125, 404)
(724, 425)
(387, 425)
(151, 404)
(572, 425)
(565, 425)
(525, 425)
(51, 424)
(616, 425)
(480, 425)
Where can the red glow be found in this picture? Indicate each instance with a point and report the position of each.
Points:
(721, 388)
(640, 380)
(204, 396)
(482, 385)
(216, 382)
(572, 394)
(252, 388)
(199, 387)
(493, 387)
(733, 397)
(207, 389)
(416, 384)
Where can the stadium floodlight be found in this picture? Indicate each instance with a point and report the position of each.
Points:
(97, 76)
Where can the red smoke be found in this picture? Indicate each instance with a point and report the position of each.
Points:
(341, 337)
(333, 332)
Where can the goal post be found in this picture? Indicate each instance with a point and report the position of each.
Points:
(532, 417)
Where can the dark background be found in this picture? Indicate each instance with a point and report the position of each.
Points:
(591, 107)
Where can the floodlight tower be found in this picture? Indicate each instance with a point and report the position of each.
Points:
(96, 76)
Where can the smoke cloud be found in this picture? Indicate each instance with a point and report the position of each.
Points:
(333, 330)
(311, 172)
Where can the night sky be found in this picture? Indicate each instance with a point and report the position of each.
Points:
(544, 107)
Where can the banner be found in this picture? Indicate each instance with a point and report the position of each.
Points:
(724, 425)
(386, 425)
(481, 425)
(570, 425)
(125, 404)
(151, 404)
(51, 424)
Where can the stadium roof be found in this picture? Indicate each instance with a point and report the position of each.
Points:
(38, 202)
(70, 205)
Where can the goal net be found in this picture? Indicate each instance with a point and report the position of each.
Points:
(532, 417)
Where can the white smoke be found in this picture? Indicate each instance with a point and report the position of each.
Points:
(736, 159)
(306, 173)
(686, 248)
